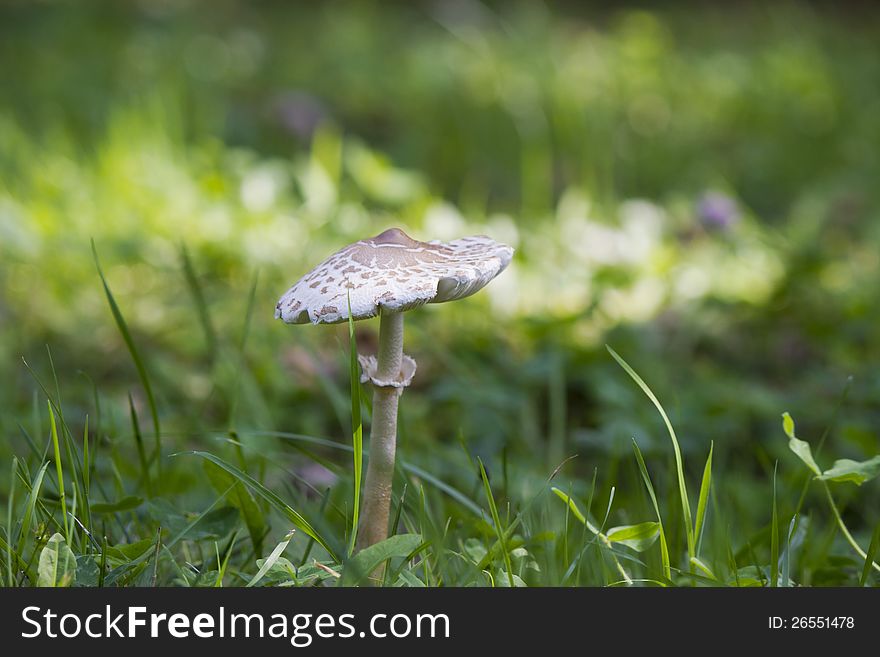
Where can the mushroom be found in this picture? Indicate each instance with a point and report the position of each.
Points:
(387, 275)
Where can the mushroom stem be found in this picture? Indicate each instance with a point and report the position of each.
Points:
(383, 434)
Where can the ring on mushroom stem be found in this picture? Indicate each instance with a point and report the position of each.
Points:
(387, 275)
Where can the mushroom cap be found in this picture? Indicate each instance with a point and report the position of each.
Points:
(392, 271)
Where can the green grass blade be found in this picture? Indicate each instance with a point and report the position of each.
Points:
(273, 499)
(679, 464)
(127, 503)
(241, 497)
(497, 521)
(139, 441)
(30, 506)
(664, 546)
(195, 521)
(240, 355)
(97, 429)
(157, 554)
(64, 435)
(517, 520)
(60, 472)
(603, 539)
(873, 550)
(441, 485)
(20, 563)
(575, 510)
(102, 568)
(701, 565)
(195, 289)
(845, 530)
(10, 504)
(514, 523)
(785, 560)
(135, 356)
(705, 486)
(87, 463)
(395, 522)
(731, 564)
(565, 533)
(774, 538)
(802, 449)
(224, 564)
(325, 499)
(357, 429)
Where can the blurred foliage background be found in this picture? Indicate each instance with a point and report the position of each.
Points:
(695, 185)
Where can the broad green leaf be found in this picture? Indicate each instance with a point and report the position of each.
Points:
(310, 573)
(57, 563)
(799, 447)
(475, 549)
(86, 571)
(205, 579)
(408, 579)
(504, 579)
(788, 425)
(857, 472)
(272, 559)
(748, 576)
(522, 559)
(125, 552)
(283, 572)
(125, 504)
(359, 567)
(638, 537)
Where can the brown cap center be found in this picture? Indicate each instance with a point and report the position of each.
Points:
(394, 236)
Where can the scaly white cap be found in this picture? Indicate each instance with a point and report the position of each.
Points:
(392, 271)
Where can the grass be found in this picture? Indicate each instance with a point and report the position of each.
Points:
(357, 431)
(173, 434)
(533, 540)
(679, 465)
